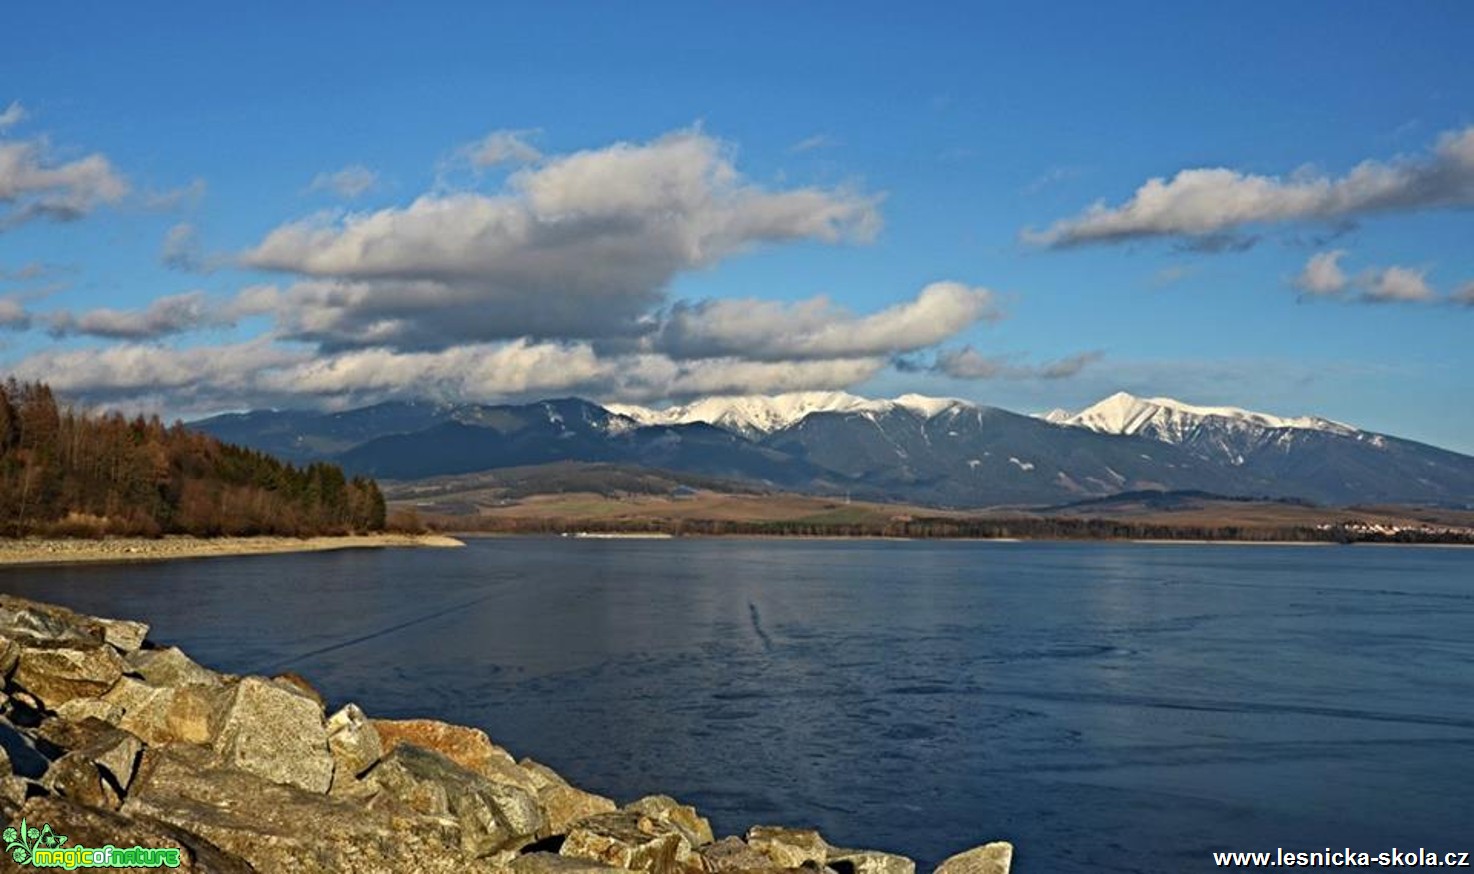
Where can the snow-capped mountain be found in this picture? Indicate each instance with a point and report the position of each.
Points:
(756, 415)
(1227, 433)
(913, 448)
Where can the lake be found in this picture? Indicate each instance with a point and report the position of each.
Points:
(1107, 707)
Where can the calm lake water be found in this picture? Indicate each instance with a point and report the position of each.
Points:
(1108, 707)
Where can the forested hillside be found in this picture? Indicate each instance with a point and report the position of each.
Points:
(69, 473)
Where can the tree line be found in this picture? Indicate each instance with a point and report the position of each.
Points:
(67, 473)
(921, 527)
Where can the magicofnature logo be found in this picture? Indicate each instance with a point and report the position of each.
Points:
(42, 847)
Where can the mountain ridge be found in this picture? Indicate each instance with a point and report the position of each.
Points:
(938, 451)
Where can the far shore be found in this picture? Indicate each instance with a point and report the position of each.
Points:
(36, 550)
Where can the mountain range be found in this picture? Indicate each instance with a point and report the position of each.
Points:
(937, 451)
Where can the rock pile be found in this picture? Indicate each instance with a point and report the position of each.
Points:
(113, 740)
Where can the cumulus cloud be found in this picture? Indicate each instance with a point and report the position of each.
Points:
(968, 363)
(1396, 285)
(1323, 277)
(579, 246)
(1464, 296)
(1322, 274)
(14, 114)
(175, 314)
(352, 181)
(1203, 203)
(502, 147)
(819, 329)
(33, 185)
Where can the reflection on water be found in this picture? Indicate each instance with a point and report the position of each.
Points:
(1107, 707)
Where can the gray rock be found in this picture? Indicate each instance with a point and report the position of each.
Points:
(353, 742)
(79, 709)
(56, 676)
(788, 847)
(91, 827)
(493, 818)
(468, 747)
(566, 805)
(122, 634)
(79, 779)
(116, 752)
(275, 733)
(683, 817)
(170, 714)
(553, 863)
(993, 858)
(277, 827)
(731, 854)
(869, 862)
(168, 667)
(32, 622)
(627, 840)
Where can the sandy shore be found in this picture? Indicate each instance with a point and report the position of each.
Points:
(41, 551)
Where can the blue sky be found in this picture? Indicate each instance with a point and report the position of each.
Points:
(654, 202)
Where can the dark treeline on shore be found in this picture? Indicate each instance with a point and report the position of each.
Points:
(64, 473)
(1024, 528)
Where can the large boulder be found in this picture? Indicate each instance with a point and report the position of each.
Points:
(35, 623)
(168, 667)
(87, 826)
(564, 804)
(628, 840)
(278, 827)
(732, 854)
(869, 862)
(468, 747)
(683, 817)
(993, 858)
(56, 676)
(276, 732)
(79, 779)
(353, 742)
(788, 847)
(493, 817)
(169, 714)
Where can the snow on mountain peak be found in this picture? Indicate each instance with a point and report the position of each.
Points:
(1166, 418)
(763, 414)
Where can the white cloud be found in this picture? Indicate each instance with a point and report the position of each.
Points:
(580, 246)
(1465, 295)
(1205, 202)
(502, 147)
(1396, 285)
(14, 114)
(175, 314)
(818, 329)
(352, 181)
(1322, 274)
(34, 186)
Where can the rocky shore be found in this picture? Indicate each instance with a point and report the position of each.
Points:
(111, 739)
(38, 550)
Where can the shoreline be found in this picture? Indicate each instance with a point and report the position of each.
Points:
(50, 551)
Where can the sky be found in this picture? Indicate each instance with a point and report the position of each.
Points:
(1033, 206)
